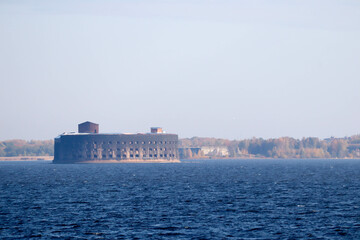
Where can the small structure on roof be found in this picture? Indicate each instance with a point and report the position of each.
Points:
(88, 127)
(156, 130)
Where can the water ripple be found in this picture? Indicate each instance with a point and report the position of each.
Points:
(240, 199)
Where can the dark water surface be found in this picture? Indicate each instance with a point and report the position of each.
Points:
(239, 199)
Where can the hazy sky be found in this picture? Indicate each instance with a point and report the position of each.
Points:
(227, 69)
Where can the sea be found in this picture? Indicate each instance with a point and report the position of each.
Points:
(194, 199)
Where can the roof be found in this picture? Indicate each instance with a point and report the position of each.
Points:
(87, 122)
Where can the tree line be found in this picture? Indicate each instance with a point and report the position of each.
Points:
(12, 148)
(284, 147)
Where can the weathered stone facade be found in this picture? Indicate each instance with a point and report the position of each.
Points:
(150, 147)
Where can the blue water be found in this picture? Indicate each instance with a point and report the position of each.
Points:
(223, 199)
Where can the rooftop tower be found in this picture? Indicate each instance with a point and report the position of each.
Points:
(156, 130)
(88, 127)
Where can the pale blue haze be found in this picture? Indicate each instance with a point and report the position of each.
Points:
(229, 69)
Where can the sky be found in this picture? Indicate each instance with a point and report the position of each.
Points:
(225, 69)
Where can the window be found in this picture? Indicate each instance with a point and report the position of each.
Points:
(131, 155)
(130, 142)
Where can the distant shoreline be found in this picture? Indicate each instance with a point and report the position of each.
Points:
(259, 158)
(51, 158)
(27, 158)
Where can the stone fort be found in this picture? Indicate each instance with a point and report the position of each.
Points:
(88, 145)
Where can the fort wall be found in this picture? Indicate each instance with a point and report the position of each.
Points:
(77, 148)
